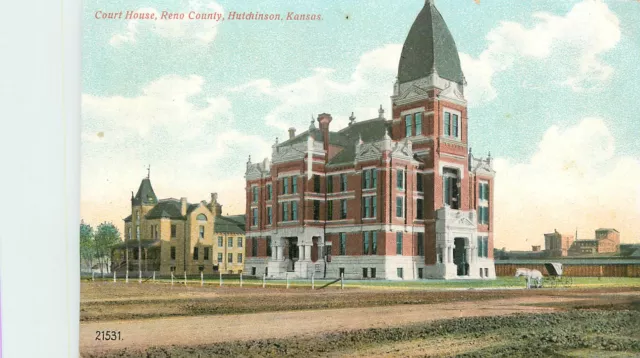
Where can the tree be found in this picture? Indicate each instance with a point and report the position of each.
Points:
(106, 236)
(87, 245)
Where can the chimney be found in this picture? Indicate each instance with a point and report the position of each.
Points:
(183, 206)
(212, 204)
(218, 210)
(292, 133)
(325, 119)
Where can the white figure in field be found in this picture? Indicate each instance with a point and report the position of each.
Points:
(531, 275)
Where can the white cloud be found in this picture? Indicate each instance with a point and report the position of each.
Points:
(574, 180)
(367, 87)
(190, 147)
(166, 101)
(572, 45)
(201, 32)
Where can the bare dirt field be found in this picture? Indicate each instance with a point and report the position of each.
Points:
(206, 321)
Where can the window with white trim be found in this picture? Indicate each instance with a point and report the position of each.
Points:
(450, 188)
(483, 203)
(451, 124)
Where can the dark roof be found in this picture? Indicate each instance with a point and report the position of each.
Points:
(335, 138)
(429, 45)
(145, 195)
(229, 224)
(127, 219)
(167, 208)
(607, 229)
(370, 131)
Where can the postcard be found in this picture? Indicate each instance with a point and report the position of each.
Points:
(341, 178)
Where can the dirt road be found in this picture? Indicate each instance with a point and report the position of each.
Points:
(140, 334)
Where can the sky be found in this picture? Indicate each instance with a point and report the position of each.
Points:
(552, 90)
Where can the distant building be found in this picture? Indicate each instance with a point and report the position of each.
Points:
(535, 248)
(171, 235)
(606, 241)
(557, 244)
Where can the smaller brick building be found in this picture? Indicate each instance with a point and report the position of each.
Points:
(557, 244)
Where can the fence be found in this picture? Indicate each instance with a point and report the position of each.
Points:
(575, 270)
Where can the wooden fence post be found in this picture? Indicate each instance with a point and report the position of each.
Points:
(220, 278)
(342, 281)
(114, 276)
(201, 278)
(313, 283)
(185, 277)
(154, 276)
(126, 278)
(264, 280)
(172, 278)
(240, 279)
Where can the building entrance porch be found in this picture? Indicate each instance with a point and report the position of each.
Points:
(293, 256)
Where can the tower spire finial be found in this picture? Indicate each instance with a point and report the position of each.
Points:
(149, 171)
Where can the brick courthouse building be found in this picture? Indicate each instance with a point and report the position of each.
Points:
(392, 198)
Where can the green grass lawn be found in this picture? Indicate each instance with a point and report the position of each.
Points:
(498, 283)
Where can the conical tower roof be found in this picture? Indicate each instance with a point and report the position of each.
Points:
(145, 195)
(429, 47)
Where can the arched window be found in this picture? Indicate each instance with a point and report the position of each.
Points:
(201, 217)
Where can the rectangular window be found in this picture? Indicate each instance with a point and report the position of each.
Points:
(450, 188)
(269, 216)
(330, 210)
(420, 273)
(285, 211)
(366, 178)
(206, 253)
(255, 194)
(230, 258)
(269, 246)
(420, 244)
(230, 242)
(330, 184)
(173, 252)
(398, 243)
(220, 242)
(202, 231)
(400, 179)
(294, 210)
(294, 185)
(316, 210)
(399, 272)
(480, 248)
(343, 182)
(254, 246)
(219, 257)
(418, 118)
(343, 209)
(374, 176)
(366, 207)
(174, 229)
(407, 124)
(195, 253)
(399, 207)
(420, 209)
(343, 243)
(374, 243)
(365, 242)
(239, 258)
(485, 246)
(373, 272)
(239, 242)
(365, 271)
(285, 185)
(455, 124)
(447, 123)
(269, 192)
(374, 205)
(316, 183)
(254, 217)
(420, 182)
